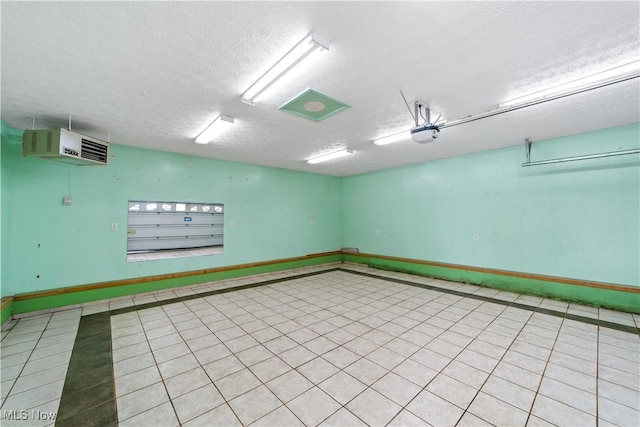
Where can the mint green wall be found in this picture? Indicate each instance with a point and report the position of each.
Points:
(578, 219)
(272, 210)
(8, 135)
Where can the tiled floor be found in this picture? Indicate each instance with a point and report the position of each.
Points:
(343, 347)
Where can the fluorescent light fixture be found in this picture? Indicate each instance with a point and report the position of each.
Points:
(218, 125)
(592, 81)
(330, 156)
(390, 139)
(302, 50)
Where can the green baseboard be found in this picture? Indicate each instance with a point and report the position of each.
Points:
(615, 299)
(7, 307)
(78, 295)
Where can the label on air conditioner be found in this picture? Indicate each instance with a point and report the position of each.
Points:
(71, 152)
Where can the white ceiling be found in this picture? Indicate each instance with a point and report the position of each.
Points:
(154, 74)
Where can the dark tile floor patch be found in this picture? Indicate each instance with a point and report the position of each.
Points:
(88, 397)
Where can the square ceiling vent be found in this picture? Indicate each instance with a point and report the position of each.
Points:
(314, 106)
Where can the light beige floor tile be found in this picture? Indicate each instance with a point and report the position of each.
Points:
(282, 416)
(186, 382)
(517, 375)
(434, 410)
(573, 378)
(470, 420)
(366, 371)
(223, 367)
(211, 354)
(477, 360)
(407, 419)
(341, 357)
(342, 418)
(254, 404)
(617, 414)
(139, 401)
(254, 355)
(523, 361)
(386, 358)
(47, 363)
(320, 345)
(171, 352)
(297, 356)
(313, 406)
(622, 395)
(415, 372)
(518, 396)
(317, 370)
(496, 411)
(237, 383)
(269, 369)
(197, 402)
(162, 415)
(243, 342)
(430, 359)
(342, 387)
(280, 344)
(178, 365)
(560, 414)
(289, 385)
(396, 388)
(452, 390)
(373, 408)
(566, 394)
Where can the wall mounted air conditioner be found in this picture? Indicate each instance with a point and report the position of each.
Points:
(65, 146)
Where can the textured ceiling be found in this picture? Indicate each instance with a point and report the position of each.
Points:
(154, 74)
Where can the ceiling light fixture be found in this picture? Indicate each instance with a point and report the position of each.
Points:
(216, 127)
(592, 81)
(390, 139)
(330, 156)
(311, 43)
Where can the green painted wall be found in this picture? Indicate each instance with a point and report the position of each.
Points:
(46, 245)
(578, 219)
(8, 135)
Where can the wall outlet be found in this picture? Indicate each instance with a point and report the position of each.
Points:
(378, 233)
(476, 236)
(66, 200)
(114, 226)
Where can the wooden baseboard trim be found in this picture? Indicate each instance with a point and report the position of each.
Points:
(6, 302)
(530, 276)
(155, 278)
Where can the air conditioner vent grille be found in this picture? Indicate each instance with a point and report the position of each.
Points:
(94, 151)
(34, 142)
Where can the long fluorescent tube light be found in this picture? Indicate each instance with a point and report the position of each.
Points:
(330, 156)
(300, 51)
(610, 76)
(216, 127)
(390, 139)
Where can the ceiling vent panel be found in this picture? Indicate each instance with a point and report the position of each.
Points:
(314, 105)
